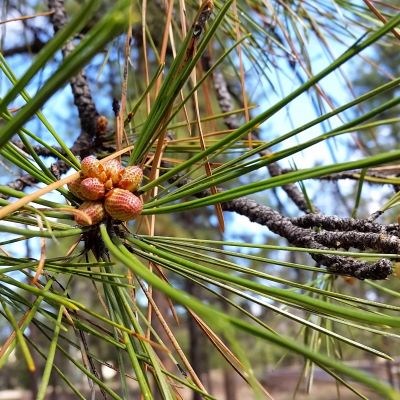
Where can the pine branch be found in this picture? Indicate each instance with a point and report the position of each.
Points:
(297, 236)
(304, 232)
(83, 99)
(92, 123)
(332, 223)
(20, 183)
(355, 175)
(313, 231)
(39, 150)
(32, 47)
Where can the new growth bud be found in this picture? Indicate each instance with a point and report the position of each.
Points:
(92, 189)
(93, 213)
(131, 178)
(75, 188)
(122, 205)
(107, 188)
(114, 170)
(91, 168)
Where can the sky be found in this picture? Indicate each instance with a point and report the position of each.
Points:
(301, 110)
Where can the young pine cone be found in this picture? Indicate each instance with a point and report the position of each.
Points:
(122, 205)
(91, 168)
(92, 189)
(131, 178)
(75, 188)
(114, 171)
(93, 211)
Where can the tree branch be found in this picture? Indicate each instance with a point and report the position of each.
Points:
(40, 150)
(304, 232)
(297, 236)
(313, 231)
(92, 123)
(332, 223)
(83, 99)
(32, 48)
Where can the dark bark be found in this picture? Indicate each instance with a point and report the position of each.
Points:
(32, 47)
(82, 95)
(308, 238)
(333, 223)
(88, 139)
(322, 240)
(164, 307)
(198, 355)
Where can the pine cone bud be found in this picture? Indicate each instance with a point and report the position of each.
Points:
(122, 205)
(92, 189)
(131, 178)
(93, 211)
(75, 188)
(101, 125)
(114, 170)
(91, 168)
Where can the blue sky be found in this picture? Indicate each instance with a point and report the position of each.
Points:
(63, 116)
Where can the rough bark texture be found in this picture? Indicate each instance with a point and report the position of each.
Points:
(79, 84)
(88, 114)
(318, 240)
(305, 231)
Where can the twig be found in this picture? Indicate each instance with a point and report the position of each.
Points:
(354, 175)
(25, 17)
(301, 231)
(334, 223)
(297, 236)
(40, 150)
(83, 100)
(20, 184)
(32, 47)
(291, 190)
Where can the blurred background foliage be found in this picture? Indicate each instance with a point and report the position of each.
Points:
(101, 321)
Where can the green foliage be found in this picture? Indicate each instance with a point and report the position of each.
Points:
(315, 318)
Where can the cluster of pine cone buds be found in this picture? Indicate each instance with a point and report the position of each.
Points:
(106, 189)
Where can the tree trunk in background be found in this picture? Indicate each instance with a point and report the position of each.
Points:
(35, 375)
(197, 345)
(230, 384)
(229, 374)
(164, 308)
